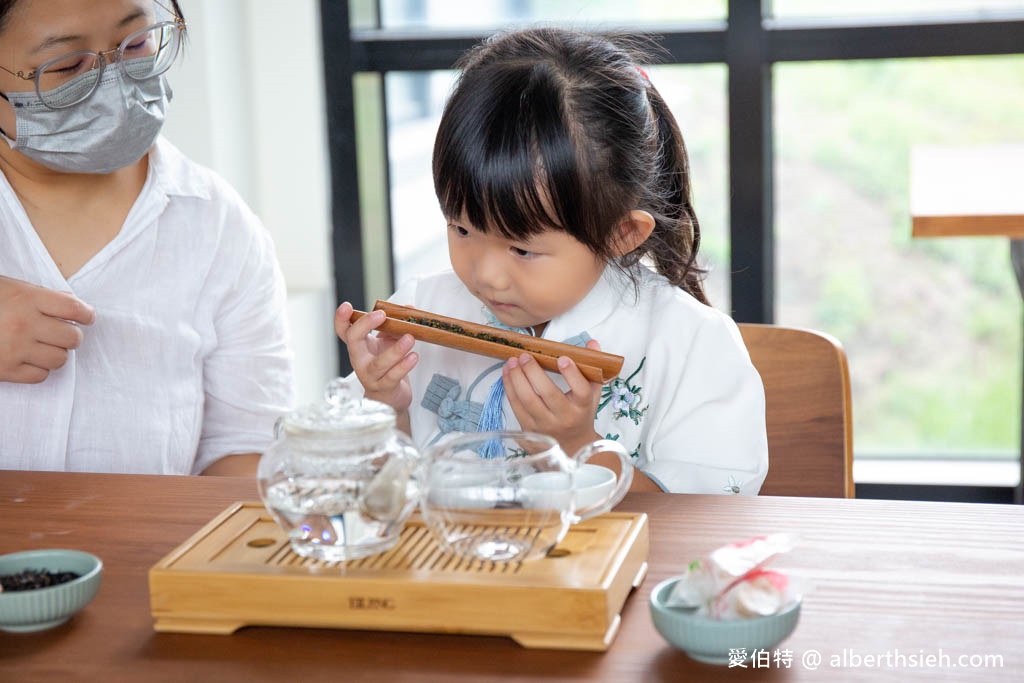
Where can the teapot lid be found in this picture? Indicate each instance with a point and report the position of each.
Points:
(342, 412)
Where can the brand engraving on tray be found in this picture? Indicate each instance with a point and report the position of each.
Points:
(360, 602)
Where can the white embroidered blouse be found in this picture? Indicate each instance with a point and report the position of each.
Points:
(688, 404)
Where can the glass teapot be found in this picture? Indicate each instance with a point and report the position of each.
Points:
(340, 479)
(512, 495)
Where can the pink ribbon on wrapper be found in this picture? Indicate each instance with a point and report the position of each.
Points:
(732, 583)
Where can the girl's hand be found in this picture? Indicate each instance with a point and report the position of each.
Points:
(382, 363)
(541, 406)
(37, 329)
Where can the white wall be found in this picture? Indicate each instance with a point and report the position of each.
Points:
(248, 103)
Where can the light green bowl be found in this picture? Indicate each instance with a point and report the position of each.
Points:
(42, 608)
(711, 640)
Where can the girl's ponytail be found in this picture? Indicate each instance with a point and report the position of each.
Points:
(675, 240)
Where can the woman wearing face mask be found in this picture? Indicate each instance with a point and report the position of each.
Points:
(142, 323)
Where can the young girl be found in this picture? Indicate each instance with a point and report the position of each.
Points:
(563, 175)
(141, 305)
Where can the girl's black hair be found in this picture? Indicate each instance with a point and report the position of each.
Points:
(552, 128)
(7, 5)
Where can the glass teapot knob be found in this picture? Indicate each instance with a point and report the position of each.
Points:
(339, 393)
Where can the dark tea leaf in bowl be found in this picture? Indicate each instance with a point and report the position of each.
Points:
(29, 579)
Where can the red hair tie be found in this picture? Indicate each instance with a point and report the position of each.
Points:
(644, 74)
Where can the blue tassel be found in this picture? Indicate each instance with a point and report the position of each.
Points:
(492, 418)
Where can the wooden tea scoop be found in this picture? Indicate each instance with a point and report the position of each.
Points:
(432, 328)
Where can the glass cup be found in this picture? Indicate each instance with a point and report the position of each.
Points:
(512, 496)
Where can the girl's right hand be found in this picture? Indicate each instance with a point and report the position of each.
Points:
(382, 363)
(37, 329)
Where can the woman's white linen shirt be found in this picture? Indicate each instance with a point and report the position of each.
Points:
(188, 359)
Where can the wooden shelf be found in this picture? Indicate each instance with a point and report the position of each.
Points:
(973, 191)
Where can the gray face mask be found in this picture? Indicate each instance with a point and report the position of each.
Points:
(112, 129)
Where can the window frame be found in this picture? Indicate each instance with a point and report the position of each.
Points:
(749, 42)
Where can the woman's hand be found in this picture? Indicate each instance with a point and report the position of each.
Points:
(382, 363)
(541, 406)
(37, 329)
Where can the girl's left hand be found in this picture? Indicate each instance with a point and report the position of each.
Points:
(541, 406)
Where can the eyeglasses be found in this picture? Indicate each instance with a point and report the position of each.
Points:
(144, 54)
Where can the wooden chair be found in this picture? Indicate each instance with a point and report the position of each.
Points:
(810, 421)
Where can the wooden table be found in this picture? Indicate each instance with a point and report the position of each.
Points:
(972, 191)
(906, 578)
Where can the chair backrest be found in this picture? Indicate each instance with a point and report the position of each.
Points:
(810, 423)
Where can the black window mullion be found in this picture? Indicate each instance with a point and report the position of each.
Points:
(346, 217)
(384, 50)
(386, 142)
(750, 165)
(893, 38)
(388, 198)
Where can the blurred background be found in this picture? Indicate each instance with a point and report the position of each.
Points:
(932, 327)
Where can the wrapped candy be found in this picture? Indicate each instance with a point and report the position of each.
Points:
(732, 583)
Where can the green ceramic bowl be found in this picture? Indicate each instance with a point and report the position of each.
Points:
(711, 640)
(41, 608)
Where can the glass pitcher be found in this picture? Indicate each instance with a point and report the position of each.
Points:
(340, 479)
(511, 495)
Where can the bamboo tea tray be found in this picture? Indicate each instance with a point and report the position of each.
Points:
(239, 570)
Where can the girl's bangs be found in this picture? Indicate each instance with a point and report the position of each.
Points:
(495, 198)
(499, 169)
